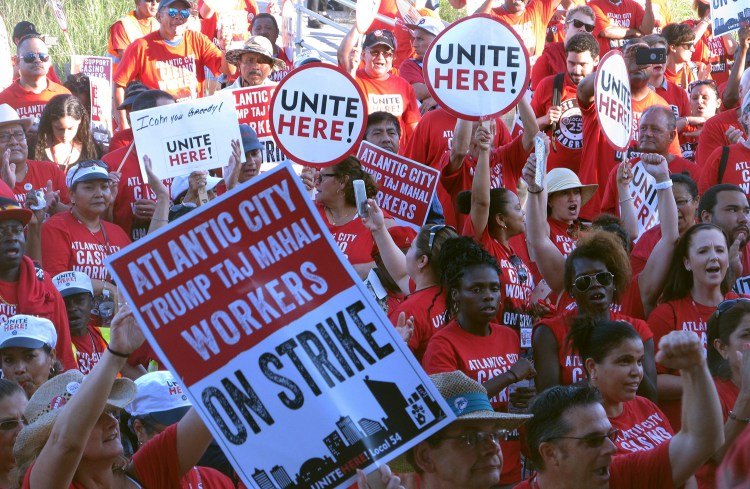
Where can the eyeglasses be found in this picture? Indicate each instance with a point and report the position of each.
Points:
(584, 282)
(578, 24)
(376, 52)
(697, 83)
(5, 137)
(321, 176)
(517, 263)
(88, 164)
(183, 13)
(687, 45)
(12, 424)
(30, 57)
(474, 440)
(433, 232)
(592, 441)
(681, 203)
(727, 305)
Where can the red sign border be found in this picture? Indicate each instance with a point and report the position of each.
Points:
(493, 115)
(355, 141)
(614, 52)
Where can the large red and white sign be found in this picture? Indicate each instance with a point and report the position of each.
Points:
(406, 187)
(99, 71)
(478, 68)
(252, 305)
(318, 115)
(254, 108)
(613, 99)
(189, 136)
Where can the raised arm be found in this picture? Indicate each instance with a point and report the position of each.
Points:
(163, 201)
(701, 434)
(731, 95)
(647, 24)
(627, 207)
(461, 145)
(530, 125)
(480, 186)
(586, 91)
(392, 256)
(347, 49)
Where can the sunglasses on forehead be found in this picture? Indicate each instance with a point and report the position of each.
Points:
(579, 23)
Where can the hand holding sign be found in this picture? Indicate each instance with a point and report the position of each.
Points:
(529, 175)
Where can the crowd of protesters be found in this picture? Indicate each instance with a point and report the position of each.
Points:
(603, 343)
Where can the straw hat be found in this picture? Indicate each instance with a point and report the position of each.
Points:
(467, 399)
(560, 179)
(255, 44)
(49, 399)
(8, 115)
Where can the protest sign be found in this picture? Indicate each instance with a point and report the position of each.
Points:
(288, 28)
(613, 99)
(253, 108)
(365, 14)
(249, 301)
(478, 68)
(318, 115)
(186, 137)
(728, 15)
(641, 188)
(62, 21)
(406, 187)
(99, 71)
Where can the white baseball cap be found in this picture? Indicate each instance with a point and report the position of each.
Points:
(24, 331)
(161, 397)
(86, 170)
(430, 24)
(180, 185)
(70, 283)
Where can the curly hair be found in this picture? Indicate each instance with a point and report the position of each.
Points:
(458, 255)
(679, 279)
(349, 170)
(720, 327)
(595, 339)
(606, 247)
(58, 107)
(78, 83)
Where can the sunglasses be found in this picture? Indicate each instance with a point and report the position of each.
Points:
(517, 263)
(592, 441)
(474, 440)
(584, 282)
(30, 57)
(727, 305)
(433, 232)
(386, 54)
(183, 13)
(12, 424)
(697, 83)
(578, 24)
(687, 45)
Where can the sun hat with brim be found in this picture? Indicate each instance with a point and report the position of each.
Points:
(23, 331)
(10, 209)
(259, 45)
(71, 283)
(468, 400)
(8, 115)
(131, 93)
(160, 397)
(560, 179)
(46, 403)
(181, 184)
(86, 171)
(429, 24)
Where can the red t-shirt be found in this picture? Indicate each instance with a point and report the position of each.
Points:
(710, 49)
(37, 176)
(279, 75)
(571, 365)
(506, 165)
(121, 139)
(626, 13)
(480, 358)
(642, 426)
(728, 392)
(411, 71)
(531, 26)
(354, 240)
(177, 70)
(89, 348)
(737, 170)
(206, 477)
(427, 306)
(67, 244)
(568, 136)
(28, 104)
(393, 95)
(712, 136)
(676, 97)
(642, 250)
(552, 61)
(130, 189)
(210, 26)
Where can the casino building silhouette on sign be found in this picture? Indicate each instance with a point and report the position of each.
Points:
(352, 445)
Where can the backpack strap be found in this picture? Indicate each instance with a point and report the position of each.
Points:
(723, 163)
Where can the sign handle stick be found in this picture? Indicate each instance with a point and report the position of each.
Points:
(70, 42)
(130, 149)
(202, 196)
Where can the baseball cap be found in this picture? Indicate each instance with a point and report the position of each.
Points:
(86, 170)
(167, 3)
(131, 92)
(180, 185)
(10, 209)
(23, 29)
(71, 283)
(26, 331)
(430, 24)
(380, 37)
(250, 140)
(160, 396)
(307, 56)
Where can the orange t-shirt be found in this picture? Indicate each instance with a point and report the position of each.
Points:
(531, 25)
(28, 104)
(125, 31)
(177, 70)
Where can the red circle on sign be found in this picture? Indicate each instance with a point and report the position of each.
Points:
(496, 112)
(346, 149)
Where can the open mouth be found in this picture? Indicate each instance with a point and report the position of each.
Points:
(597, 296)
(713, 269)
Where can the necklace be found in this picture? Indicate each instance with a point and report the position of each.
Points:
(93, 343)
(342, 219)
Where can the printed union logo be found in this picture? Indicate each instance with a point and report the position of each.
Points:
(460, 404)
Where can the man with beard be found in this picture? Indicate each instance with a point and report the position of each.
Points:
(598, 157)
(730, 164)
(726, 206)
(561, 118)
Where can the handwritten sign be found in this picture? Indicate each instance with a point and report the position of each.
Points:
(478, 68)
(406, 187)
(250, 302)
(187, 137)
(613, 99)
(318, 115)
(99, 71)
(254, 108)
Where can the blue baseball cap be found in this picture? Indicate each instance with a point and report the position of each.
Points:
(250, 140)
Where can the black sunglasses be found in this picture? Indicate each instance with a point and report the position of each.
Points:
(584, 282)
(727, 305)
(578, 24)
(30, 57)
(517, 263)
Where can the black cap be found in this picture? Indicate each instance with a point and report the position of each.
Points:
(380, 37)
(23, 29)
